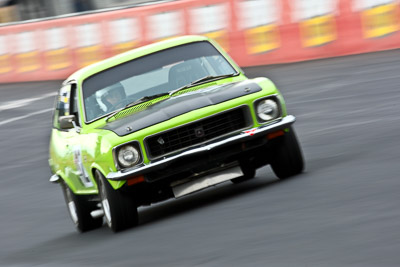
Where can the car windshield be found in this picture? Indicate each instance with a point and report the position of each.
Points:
(151, 75)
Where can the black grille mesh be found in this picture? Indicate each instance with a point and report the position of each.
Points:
(196, 132)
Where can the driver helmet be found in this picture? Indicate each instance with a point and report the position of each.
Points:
(110, 96)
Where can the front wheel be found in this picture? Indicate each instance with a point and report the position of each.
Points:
(248, 174)
(287, 159)
(79, 208)
(119, 209)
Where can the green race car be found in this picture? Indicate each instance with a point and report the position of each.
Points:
(163, 121)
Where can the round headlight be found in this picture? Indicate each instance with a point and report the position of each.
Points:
(128, 156)
(267, 110)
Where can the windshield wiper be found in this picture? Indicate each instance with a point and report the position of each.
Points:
(203, 79)
(212, 77)
(144, 99)
(136, 102)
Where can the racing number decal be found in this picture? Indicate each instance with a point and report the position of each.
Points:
(83, 175)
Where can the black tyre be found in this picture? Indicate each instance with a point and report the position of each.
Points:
(120, 210)
(79, 208)
(287, 159)
(248, 173)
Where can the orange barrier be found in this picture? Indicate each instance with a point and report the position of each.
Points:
(254, 32)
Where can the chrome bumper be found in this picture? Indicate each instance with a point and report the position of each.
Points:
(242, 136)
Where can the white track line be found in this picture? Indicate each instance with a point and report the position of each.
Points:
(25, 116)
(23, 102)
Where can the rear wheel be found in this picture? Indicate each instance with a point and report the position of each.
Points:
(79, 208)
(119, 209)
(287, 159)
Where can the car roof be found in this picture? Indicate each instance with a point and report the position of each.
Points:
(87, 71)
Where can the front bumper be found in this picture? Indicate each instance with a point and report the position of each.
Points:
(236, 138)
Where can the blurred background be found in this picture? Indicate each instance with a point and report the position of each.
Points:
(20, 10)
(344, 209)
(50, 39)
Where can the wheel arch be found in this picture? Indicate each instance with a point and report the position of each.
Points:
(75, 188)
(114, 184)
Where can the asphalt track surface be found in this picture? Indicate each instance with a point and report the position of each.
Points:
(344, 210)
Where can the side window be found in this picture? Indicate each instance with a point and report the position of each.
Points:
(62, 105)
(74, 106)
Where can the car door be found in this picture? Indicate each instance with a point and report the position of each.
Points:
(65, 145)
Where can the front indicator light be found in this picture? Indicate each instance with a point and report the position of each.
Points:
(275, 134)
(135, 180)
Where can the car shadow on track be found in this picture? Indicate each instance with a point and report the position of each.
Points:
(64, 245)
(210, 196)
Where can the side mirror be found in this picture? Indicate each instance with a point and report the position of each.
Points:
(67, 122)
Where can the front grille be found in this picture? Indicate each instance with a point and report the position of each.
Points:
(196, 132)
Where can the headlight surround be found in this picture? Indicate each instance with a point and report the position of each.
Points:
(128, 155)
(267, 109)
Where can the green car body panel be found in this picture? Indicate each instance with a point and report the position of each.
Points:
(76, 153)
